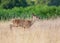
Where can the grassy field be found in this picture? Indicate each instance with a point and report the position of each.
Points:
(43, 31)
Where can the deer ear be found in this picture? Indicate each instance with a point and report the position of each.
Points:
(33, 14)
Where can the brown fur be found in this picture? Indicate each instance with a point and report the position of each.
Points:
(21, 22)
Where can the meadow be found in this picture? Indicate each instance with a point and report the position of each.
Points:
(46, 30)
(43, 31)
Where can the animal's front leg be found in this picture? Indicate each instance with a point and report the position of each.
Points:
(11, 26)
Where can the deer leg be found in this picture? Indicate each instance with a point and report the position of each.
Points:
(11, 26)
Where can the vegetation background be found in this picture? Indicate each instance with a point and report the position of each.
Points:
(45, 9)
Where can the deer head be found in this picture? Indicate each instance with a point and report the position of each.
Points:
(35, 18)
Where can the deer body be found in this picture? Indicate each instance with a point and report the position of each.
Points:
(23, 23)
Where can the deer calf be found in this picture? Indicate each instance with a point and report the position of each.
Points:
(23, 23)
